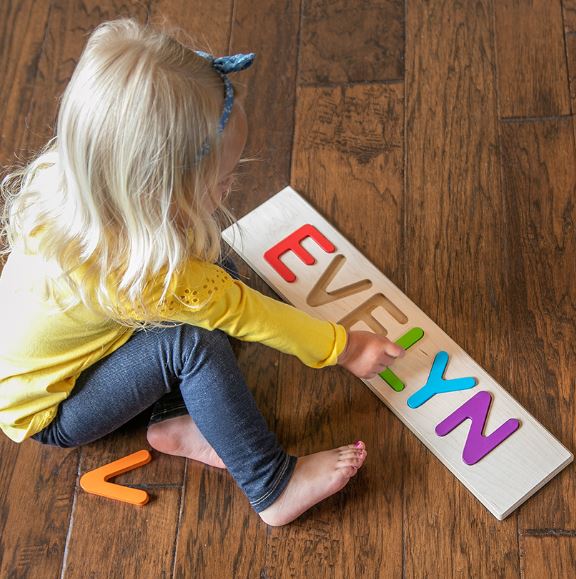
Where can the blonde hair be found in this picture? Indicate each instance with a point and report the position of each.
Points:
(120, 190)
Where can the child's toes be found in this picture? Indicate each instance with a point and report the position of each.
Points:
(346, 470)
(352, 461)
(351, 458)
(348, 453)
(357, 447)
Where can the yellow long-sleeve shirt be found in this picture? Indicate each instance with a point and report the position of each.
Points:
(44, 348)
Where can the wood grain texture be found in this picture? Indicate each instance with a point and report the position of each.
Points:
(334, 52)
(455, 220)
(548, 556)
(204, 25)
(269, 28)
(348, 155)
(113, 539)
(539, 183)
(531, 71)
(218, 533)
(456, 263)
(569, 15)
(22, 35)
(571, 60)
(36, 509)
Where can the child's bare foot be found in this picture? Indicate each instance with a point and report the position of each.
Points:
(180, 436)
(315, 478)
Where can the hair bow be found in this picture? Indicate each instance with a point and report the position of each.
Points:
(224, 65)
(228, 64)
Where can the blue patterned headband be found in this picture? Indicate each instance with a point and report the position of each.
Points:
(224, 65)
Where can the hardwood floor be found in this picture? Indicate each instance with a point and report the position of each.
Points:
(439, 137)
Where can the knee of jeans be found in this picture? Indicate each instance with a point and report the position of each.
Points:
(201, 343)
(52, 436)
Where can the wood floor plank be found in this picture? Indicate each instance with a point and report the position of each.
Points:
(9, 453)
(347, 161)
(358, 531)
(206, 24)
(456, 266)
(117, 540)
(456, 226)
(22, 33)
(571, 59)
(219, 535)
(531, 71)
(547, 556)
(569, 13)
(270, 29)
(334, 52)
(539, 181)
(36, 510)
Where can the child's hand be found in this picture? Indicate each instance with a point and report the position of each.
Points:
(367, 354)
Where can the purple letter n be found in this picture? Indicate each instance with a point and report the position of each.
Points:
(477, 445)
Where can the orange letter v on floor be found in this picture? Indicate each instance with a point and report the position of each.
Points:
(96, 481)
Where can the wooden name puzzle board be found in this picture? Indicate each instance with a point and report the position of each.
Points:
(502, 455)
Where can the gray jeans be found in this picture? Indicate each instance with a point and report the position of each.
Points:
(178, 369)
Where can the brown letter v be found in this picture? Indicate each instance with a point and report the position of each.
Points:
(319, 295)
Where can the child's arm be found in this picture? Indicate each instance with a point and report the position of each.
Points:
(246, 314)
(220, 302)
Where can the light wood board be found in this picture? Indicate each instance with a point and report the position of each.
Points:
(501, 480)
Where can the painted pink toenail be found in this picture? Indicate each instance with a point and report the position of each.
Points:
(358, 444)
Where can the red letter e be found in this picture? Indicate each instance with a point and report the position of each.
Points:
(293, 243)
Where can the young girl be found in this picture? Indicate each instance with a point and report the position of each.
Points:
(111, 299)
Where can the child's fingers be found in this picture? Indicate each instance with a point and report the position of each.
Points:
(376, 368)
(393, 350)
(369, 354)
(391, 353)
(384, 363)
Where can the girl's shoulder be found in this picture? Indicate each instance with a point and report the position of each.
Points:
(197, 274)
(195, 284)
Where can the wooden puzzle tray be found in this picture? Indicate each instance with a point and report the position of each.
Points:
(498, 450)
